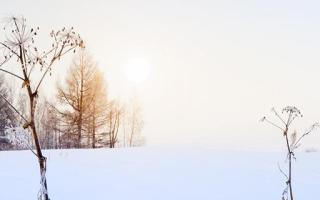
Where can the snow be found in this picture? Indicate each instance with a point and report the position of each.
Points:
(157, 173)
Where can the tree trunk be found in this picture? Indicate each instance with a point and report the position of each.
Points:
(94, 127)
(79, 130)
(80, 109)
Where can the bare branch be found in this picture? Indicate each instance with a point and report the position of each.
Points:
(15, 75)
(277, 114)
(282, 172)
(13, 108)
(10, 49)
(48, 67)
(5, 61)
(312, 128)
(273, 124)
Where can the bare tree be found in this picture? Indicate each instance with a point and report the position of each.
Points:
(98, 108)
(135, 123)
(47, 124)
(113, 121)
(25, 61)
(292, 142)
(84, 100)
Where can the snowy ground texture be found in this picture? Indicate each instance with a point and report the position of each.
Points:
(157, 174)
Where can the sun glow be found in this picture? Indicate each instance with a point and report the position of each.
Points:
(137, 70)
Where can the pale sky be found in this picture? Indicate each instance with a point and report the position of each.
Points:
(216, 67)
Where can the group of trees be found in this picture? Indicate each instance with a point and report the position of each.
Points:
(81, 115)
(84, 115)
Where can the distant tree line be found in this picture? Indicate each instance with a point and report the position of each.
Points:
(81, 114)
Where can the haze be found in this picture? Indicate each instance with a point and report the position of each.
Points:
(215, 67)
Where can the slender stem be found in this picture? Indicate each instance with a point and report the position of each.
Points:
(290, 163)
(32, 101)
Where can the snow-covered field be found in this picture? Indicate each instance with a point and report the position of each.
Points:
(157, 174)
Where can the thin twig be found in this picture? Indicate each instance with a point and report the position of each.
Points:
(282, 172)
(273, 124)
(13, 108)
(15, 75)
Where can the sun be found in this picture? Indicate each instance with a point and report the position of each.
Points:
(137, 70)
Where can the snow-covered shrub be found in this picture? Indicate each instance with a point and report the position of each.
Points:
(17, 137)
